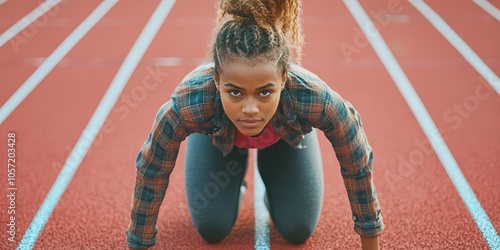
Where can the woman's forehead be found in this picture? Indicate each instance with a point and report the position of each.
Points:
(243, 66)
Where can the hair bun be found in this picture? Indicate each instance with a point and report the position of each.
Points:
(250, 10)
(239, 10)
(271, 15)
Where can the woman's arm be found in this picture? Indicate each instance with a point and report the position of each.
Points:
(154, 164)
(342, 126)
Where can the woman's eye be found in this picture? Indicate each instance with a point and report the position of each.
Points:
(265, 93)
(234, 93)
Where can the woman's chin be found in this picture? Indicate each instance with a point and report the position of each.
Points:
(250, 132)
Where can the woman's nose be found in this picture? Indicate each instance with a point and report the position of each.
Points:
(250, 106)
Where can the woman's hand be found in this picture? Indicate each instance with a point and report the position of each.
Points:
(369, 243)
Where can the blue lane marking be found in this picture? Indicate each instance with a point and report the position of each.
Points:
(261, 213)
(424, 119)
(97, 120)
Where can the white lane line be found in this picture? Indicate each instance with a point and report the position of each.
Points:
(488, 7)
(59, 53)
(27, 20)
(96, 121)
(261, 213)
(424, 119)
(457, 42)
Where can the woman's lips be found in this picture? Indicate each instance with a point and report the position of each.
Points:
(251, 123)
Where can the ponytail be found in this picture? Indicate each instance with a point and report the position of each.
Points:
(252, 28)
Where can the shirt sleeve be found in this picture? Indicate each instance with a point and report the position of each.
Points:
(154, 164)
(342, 126)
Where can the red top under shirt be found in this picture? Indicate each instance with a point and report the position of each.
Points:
(265, 139)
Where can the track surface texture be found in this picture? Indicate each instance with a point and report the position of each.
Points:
(421, 205)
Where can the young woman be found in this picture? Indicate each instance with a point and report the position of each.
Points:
(251, 96)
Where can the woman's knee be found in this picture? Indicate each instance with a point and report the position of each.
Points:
(215, 221)
(296, 234)
(213, 232)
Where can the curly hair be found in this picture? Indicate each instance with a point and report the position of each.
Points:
(254, 28)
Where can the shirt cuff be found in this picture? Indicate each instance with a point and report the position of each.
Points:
(369, 228)
(135, 241)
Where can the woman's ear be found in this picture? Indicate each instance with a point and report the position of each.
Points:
(216, 79)
(283, 81)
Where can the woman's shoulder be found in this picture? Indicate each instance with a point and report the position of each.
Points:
(201, 76)
(195, 96)
(308, 93)
(303, 76)
(301, 81)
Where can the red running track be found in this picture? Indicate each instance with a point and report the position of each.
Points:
(421, 207)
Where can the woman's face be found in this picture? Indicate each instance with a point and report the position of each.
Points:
(250, 93)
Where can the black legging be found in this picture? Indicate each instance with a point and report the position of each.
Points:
(293, 180)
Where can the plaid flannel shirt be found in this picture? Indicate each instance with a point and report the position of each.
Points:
(305, 102)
